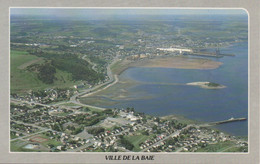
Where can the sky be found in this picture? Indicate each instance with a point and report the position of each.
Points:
(77, 12)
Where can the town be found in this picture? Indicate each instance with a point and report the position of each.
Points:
(73, 128)
(54, 64)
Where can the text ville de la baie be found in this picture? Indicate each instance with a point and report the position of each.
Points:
(129, 157)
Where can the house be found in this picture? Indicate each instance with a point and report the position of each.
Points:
(59, 147)
(132, 117)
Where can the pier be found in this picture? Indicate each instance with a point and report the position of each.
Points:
(224, 121)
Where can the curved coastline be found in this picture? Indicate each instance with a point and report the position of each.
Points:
(119, 66)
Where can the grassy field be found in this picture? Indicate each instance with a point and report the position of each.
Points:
(219, 147)
(69, 104)
(24, 80)
(20, 78)
(61, 114)
(136, 140)
(90, 108)
(236, 149)
(18, 146)
(180, 119)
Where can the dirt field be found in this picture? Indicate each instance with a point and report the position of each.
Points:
(38, 139)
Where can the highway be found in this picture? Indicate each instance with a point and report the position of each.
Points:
(113, 79)
(42, 129)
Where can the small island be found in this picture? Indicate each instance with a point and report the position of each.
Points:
(207, 85)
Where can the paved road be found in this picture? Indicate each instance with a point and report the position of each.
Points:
(22, 137)
(42, 129)
(27, 102)
(94, 65)
(113, 79)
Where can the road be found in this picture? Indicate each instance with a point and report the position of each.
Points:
(113, 79)
(91, 142)
(27, 102)
(94, 65)
(42, 129)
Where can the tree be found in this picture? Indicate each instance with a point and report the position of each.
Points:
(51, 145)
(154, 127)
(145, 133)
(77, 130)
(127, 144)
(96, 131)
(47, 73)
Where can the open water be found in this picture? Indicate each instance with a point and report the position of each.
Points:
(194, 102)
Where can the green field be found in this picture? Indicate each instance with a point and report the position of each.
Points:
(227, 146)
(90, 108)
(18, 146)
(60, 114)
(24, 80)
(236, 149)
(69, 104)
(20, 78)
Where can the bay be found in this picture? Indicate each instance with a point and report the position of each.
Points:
(193, 102)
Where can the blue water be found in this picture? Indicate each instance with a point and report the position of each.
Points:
(194, 102)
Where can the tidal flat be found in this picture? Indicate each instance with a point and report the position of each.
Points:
(119, 92)
(180, 62)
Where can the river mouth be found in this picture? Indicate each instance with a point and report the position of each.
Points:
(113, 94)
(162, 91)
(120, 92)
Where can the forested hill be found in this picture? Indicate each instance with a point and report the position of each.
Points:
(71, 63)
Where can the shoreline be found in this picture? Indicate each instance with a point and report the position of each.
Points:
(116, 80)
(125, 64)
(183, 119)
(178, 62)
